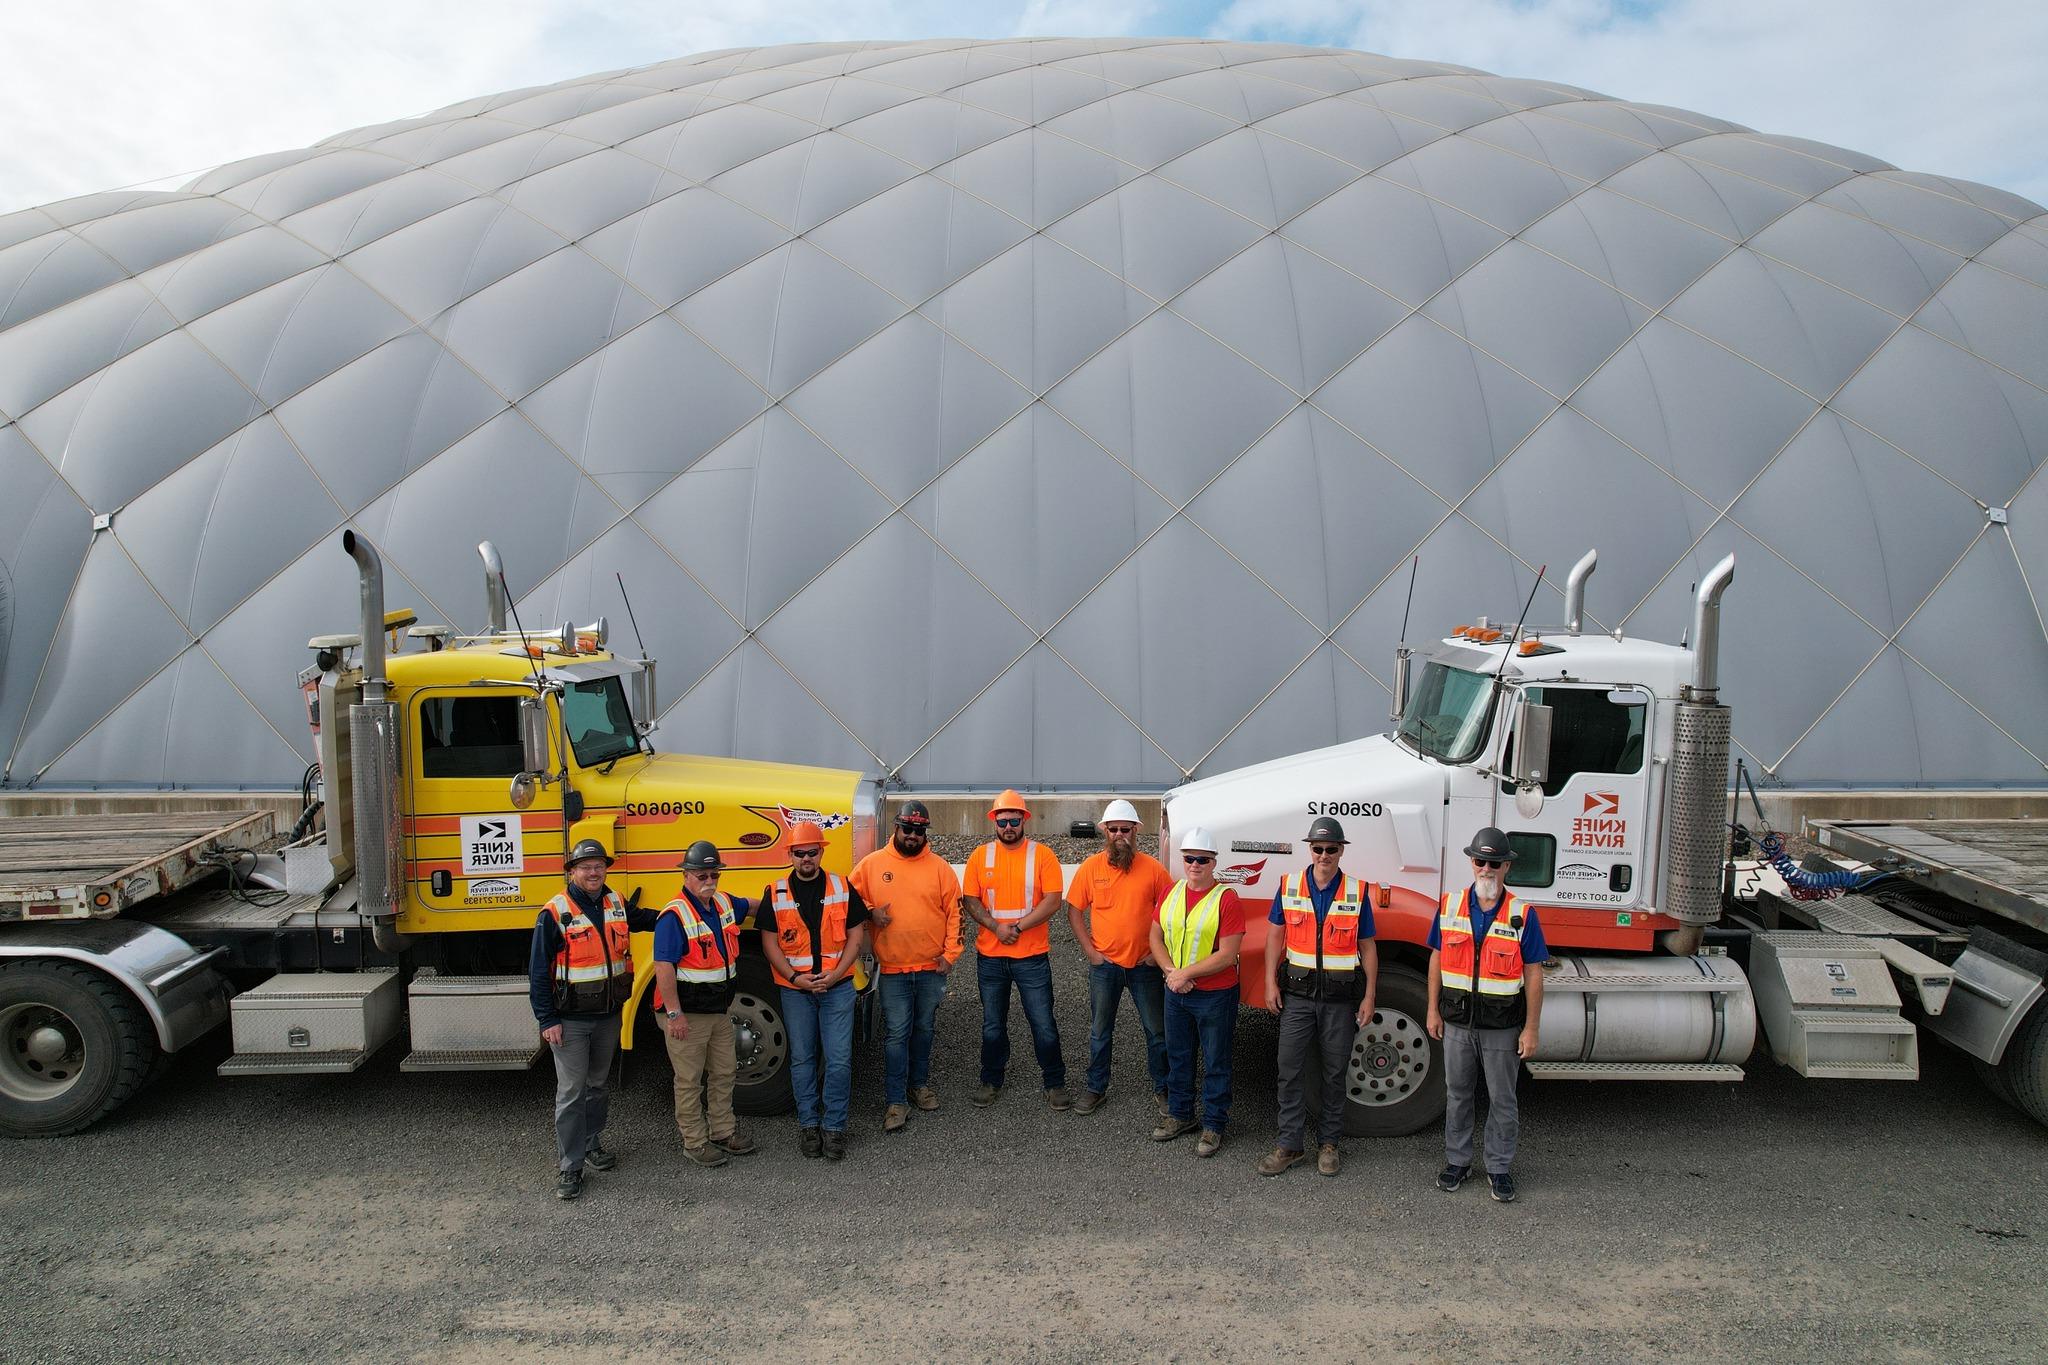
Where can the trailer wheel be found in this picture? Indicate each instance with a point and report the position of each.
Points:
(1394, 1081)
(2024, 1068)
(73, 1048)
(1993, 1079)
(760, 1037)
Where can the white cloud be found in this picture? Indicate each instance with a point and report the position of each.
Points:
(1953, 88)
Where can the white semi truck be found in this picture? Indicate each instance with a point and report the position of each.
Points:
(1606, 761)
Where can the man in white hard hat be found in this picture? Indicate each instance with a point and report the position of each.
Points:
(1195, 941)
(1112, 904)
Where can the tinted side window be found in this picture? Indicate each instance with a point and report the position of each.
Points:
(1535, 861)
(470, 737)
(1590, 734)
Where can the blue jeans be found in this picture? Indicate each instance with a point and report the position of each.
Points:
(1033, 978)
(820, 1024)
(910, 1003)
(1207, 1019)
(1106, 984)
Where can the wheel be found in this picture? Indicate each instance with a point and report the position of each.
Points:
(73, 1048)
(1394, 1082)
(1993, 1080)
(2024, 1068)
(760, 1037)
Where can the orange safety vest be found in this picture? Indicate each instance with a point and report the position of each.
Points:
(1491, 996)
(700, 964)
(594, 966)
(1335, 948)
(793, 936)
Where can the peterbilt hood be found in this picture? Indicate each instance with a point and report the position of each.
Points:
(667, 777)
(1389, 801)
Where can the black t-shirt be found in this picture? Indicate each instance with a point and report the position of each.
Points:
(810, 904)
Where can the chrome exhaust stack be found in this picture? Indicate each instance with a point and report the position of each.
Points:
(1706, 634)
(1575, 592)
(494, 588)
(1696, 805)
(373, 762)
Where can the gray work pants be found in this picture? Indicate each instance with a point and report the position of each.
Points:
(1467, 1052)
(1327, 1026)
(583, 1074)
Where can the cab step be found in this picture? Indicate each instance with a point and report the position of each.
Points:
(1635, 1071)
(471, 1023)
(1829, 1008)
(312, 1023)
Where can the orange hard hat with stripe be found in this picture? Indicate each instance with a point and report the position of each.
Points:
(1009, 800)
(806, 834)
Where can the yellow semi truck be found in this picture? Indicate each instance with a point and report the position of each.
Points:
(454, 773)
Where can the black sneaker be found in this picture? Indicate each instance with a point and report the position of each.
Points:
(812, 1142)
(569, 1185)
(835, 1145)
(1450, 1177)
(1503, 1187)
(598, 1159)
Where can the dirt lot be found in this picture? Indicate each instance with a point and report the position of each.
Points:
(389, 1216)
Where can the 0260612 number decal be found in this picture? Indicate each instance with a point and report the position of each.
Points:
(664, 808)
(1370, 810)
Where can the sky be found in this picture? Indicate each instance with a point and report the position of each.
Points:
(101, 94)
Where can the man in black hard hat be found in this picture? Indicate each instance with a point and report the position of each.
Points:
(1322, 970)
(1485, 999)
(579, 975)
(696, 957)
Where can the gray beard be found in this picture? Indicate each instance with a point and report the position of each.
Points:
(1120, 855)
(1488, 889)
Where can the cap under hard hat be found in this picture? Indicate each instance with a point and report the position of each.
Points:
(702, 856)
(586, 848)
(1199, 840)
(1119, 809)
(1491, 845)
(805, 833)
(1325, 831)
(1009, 800)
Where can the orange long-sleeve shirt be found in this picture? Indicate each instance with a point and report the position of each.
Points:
(922, 898)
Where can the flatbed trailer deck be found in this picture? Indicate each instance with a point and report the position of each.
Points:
(1998, 866)
(55, 867)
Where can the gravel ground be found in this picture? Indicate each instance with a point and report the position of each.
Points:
(385, 1216)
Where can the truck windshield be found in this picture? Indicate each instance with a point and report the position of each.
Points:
(1447, 716)
(600, 724)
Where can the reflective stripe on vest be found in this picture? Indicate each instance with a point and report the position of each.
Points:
(700, 963)
(1030, 882)
(793, 936)
(1333, 945)
(591, 957)
(1495, 971)
(1190, 933)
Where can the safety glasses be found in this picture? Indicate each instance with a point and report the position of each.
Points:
(1196, 859)
(805, 852)
(1490, 864)
(1011, 823)
(1326, 850)
(902, 828)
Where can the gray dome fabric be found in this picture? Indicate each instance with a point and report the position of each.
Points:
(1035, 413)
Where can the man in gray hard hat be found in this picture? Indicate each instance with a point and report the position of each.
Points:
(1322, 969)
(1485, 1000)
(579, 975)
(696, 957)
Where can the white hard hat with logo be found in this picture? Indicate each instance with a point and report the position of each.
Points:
(1198, 840)
(1119, 810)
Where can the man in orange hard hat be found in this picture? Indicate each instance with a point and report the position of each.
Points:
(1012, 890)
(813, 932)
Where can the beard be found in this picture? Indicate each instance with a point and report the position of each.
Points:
(1488, 887)
(1121, 851)
(1011, 836)
(909, 850)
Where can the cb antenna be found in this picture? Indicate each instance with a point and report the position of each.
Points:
(629, 615)
(1413, 565)
(524, 643)
(1509, 652)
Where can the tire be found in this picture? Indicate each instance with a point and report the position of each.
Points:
(73, 1047)
(1395, 1078)
(761, 1038)
(2024, 1068)
(1993, 1080)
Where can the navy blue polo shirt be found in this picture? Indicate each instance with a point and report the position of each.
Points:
(1533, 948)
(1322, 898)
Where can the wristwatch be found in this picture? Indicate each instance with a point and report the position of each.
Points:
(671, 1014)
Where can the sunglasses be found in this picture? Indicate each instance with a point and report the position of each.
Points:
(1008, 824)
(1325, 850)
(910, 829)
(1119, 829)
(805, 852)
(1488, 863)
(1196, 859)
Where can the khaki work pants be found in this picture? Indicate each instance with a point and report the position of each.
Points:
(704, 1064)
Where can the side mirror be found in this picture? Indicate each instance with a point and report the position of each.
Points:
(642, 698)
(1402, 655)
(533, 734)
(1531, 766)
(524, 788)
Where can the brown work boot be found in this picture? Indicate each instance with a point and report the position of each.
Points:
(1279, 1159)
(1170, 1128)
(736, 1142)
(1059, 1099)
(1159, 1103)
(706, 1154)
(925, 1098)
(894, 1117)
(1329, 1160)
(983, 1096)
(1208, 1143)
(1090, 1101)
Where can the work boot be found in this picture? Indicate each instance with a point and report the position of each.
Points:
(835, 1145)
(706, 1155)
(1159, 1103)
(1059, 1099)
(598, 1159)
(1329, 1160)
(1209, 1143)
(925, 1098)
(738, 1143)
(569, 1185)
(894, 1117)
(1450, 1177)
(1280, 1159)
(1170, 1128)
(812, 1142)
(1090, 1101)
(985, 1095)
(1503, 1187)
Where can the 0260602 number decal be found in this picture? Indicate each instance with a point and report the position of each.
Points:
(1370, 810)
(664, 808)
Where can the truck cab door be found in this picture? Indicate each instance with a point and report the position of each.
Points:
(1587, 845)
(468, 848)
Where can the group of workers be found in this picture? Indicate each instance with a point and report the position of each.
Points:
(1173, 944)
